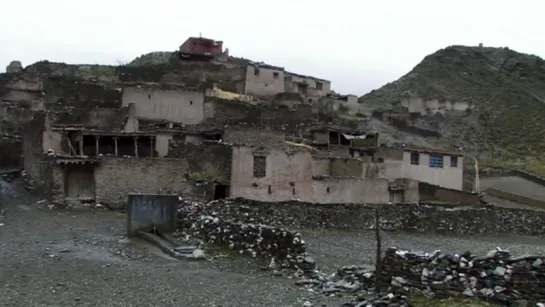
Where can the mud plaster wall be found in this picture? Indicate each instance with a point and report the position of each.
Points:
(208, 161)
(263, 81)
(177, 106)
(403, 217)
(347, 167)
(289, 175)
(117, 177)
(430, 192)
(254, 137)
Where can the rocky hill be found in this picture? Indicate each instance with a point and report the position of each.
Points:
(491, 101)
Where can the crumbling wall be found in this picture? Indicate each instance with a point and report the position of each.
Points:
(33, 154)
(419, 217)
(12, 119)
(254, 137)
(116, 177)
(79, 93)
(97, 118)
(208, 161)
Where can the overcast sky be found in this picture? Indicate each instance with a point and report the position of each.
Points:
(358, 45)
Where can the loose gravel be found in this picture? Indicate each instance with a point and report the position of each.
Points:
(51, 257)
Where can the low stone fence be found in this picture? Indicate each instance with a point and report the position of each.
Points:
(496, 276)
(422, 217)
(284, 247)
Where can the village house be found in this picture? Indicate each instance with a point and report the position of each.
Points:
(309, 87)
(264, 80)
(441, 168)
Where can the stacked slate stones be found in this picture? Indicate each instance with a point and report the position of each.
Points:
(496, 276)
(257, 240)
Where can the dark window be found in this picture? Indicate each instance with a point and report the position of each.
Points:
(270, 190)
(191, 102)
(260, 166)
(380, 160)
(453, 161)
(149, 96)
(275, 75)
(415, 158)
(256, 71)
(327, 190)
(436, 161)
(319, 86)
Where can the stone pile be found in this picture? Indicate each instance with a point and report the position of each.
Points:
(28, 182)
(285, 247)
(496, 276)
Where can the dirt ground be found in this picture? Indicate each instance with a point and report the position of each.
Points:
(51, 257)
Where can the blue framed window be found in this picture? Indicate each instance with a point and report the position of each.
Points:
(436, 161)
(453, 161)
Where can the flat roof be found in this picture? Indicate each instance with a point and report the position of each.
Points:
(306, 77)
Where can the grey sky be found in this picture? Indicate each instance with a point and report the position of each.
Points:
(358, 45)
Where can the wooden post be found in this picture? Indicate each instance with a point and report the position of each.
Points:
(97, 138)
(136, 146)
(80, 144)
(115, 146)
(378, 262)
(152, 148)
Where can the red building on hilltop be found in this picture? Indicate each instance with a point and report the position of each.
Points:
(200, 48)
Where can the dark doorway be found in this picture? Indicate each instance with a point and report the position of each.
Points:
(221, 191)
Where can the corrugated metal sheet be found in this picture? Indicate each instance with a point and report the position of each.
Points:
(146, 212)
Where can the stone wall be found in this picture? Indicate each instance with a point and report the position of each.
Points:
(403, 217)
(497, 276)
(430, 192)
(116, 177)
(209, 161)
(80, 93)
(96, 118)
(33, 155)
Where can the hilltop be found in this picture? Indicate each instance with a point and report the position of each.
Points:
(488, 100)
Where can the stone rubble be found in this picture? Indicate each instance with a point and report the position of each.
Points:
(285, 248)
(28, 182)
(496, 277)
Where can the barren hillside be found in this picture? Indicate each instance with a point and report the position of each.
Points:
(488, 100)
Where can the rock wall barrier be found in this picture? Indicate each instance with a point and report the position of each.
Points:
(421, 217)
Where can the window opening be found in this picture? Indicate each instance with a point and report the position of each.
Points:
(260, 166)
(453, 161)
(436, 161)
(415, 158)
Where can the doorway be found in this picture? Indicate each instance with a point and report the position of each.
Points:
(221, 191)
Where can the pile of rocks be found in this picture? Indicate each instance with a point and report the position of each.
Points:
(286, 248)
(28, 182)
(496, 276)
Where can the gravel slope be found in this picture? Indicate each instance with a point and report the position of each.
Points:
(58, 258)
